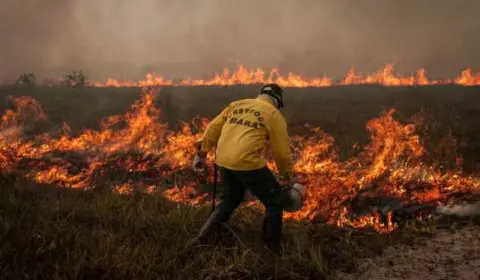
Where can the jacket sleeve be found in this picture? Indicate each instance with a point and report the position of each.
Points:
(212, 132)
(280, 145)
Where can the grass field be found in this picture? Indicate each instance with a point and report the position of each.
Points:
(58, 233)
(50, 233)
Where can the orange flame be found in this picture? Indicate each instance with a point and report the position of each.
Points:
(244, 76)
(136, 152)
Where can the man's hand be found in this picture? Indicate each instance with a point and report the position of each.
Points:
(292, 179)
(199, 163)
(287, 180)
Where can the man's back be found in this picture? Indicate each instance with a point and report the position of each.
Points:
(246, 132)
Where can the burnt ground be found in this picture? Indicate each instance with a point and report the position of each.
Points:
(450, 254)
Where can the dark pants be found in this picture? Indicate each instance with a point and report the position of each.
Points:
(263, 185)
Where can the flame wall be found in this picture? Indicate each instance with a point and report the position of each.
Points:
(135, 151)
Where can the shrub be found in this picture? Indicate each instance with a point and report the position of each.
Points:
(26, 79)
(75, 79)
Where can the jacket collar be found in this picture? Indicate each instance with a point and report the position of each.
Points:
(266, 99)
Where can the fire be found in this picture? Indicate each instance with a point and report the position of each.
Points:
(245, 76)
(387, 77)
(136, 152)
(468, 78)
(187, 194)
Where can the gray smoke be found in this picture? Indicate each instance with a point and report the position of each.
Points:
(181, 38)
(462, 210)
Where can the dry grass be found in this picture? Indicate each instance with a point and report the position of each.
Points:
(52, 233)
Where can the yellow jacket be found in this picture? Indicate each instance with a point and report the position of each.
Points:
(241, 131)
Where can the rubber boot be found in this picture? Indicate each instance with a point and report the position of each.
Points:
(272, 232)
(212, 225)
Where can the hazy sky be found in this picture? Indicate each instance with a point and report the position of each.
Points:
(197, 37)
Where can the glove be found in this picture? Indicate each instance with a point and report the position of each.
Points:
(287, 179)
(199, 163)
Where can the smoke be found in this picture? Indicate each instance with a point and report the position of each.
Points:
(465, 210)
(125, 38)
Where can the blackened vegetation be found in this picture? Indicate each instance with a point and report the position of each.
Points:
(374, 200)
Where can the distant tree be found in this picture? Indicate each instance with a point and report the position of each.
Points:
(26, 79)
(75, 79)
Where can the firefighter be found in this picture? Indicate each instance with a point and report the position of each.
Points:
(240, 134)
